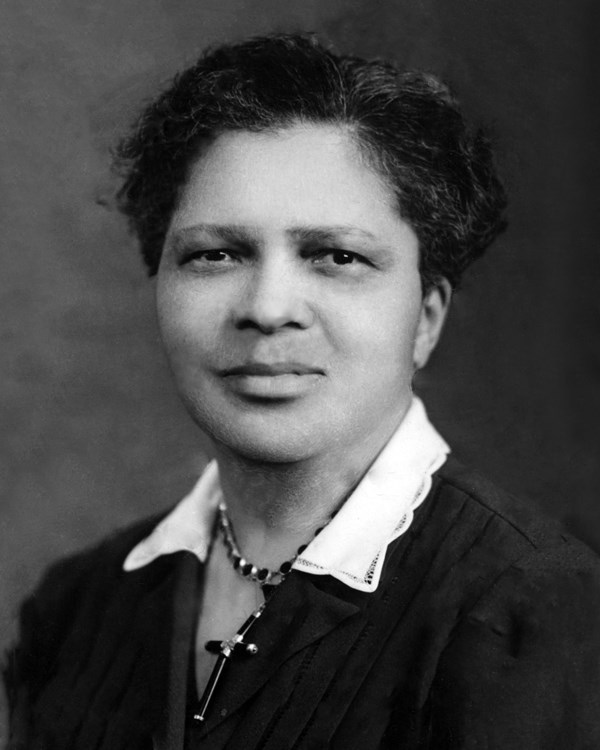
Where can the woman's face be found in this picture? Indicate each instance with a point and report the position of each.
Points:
(289, 296)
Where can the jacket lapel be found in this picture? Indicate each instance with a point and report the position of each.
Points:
(170, 734)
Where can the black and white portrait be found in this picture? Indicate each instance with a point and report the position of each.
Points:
(299, 376)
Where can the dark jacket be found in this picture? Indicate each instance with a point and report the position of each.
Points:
(483, 633)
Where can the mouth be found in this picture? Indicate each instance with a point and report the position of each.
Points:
(272, 369)
(273, 380)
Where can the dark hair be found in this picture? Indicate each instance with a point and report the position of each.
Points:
(407, 123)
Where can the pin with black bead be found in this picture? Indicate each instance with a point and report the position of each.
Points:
(226, 651)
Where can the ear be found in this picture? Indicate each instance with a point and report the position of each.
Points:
(434, 309)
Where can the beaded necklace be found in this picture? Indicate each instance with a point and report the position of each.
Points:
(246, 569)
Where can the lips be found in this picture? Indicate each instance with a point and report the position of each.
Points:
(272, 381)
(273, 369)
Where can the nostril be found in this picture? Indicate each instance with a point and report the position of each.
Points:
(272, 313)
(247, 323)
(267, 327)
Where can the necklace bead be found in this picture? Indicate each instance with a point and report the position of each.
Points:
(261, 576)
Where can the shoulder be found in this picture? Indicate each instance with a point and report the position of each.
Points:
(86, 617)
(525, 530)
(85, 581)
(99, 565)
(531, 566)
(498, 558)
(527, 642)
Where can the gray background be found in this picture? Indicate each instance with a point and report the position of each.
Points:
(92, 433)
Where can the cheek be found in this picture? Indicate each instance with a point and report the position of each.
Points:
(380, 333)
(189, 324)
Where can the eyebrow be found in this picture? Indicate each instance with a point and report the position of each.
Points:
(329, 233)
(246, 234)
(226, 232)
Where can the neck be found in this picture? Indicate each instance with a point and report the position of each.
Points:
(276, 507)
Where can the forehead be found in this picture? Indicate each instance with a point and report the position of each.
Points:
(303, 174)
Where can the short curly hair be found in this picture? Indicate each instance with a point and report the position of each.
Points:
(408, 124)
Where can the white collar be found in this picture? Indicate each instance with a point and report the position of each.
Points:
(352, 546)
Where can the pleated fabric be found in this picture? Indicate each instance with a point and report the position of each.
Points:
(483, 633)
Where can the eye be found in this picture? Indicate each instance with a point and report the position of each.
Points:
(342, 258)
(332, 257)
(211, 256)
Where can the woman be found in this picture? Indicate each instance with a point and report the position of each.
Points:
(334, 579)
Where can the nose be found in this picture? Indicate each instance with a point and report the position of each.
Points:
(273, 298)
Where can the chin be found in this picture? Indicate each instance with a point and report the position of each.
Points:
(271, 453)
(273, 447)
(264, 436)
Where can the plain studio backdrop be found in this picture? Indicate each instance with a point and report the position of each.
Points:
(92, 433)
